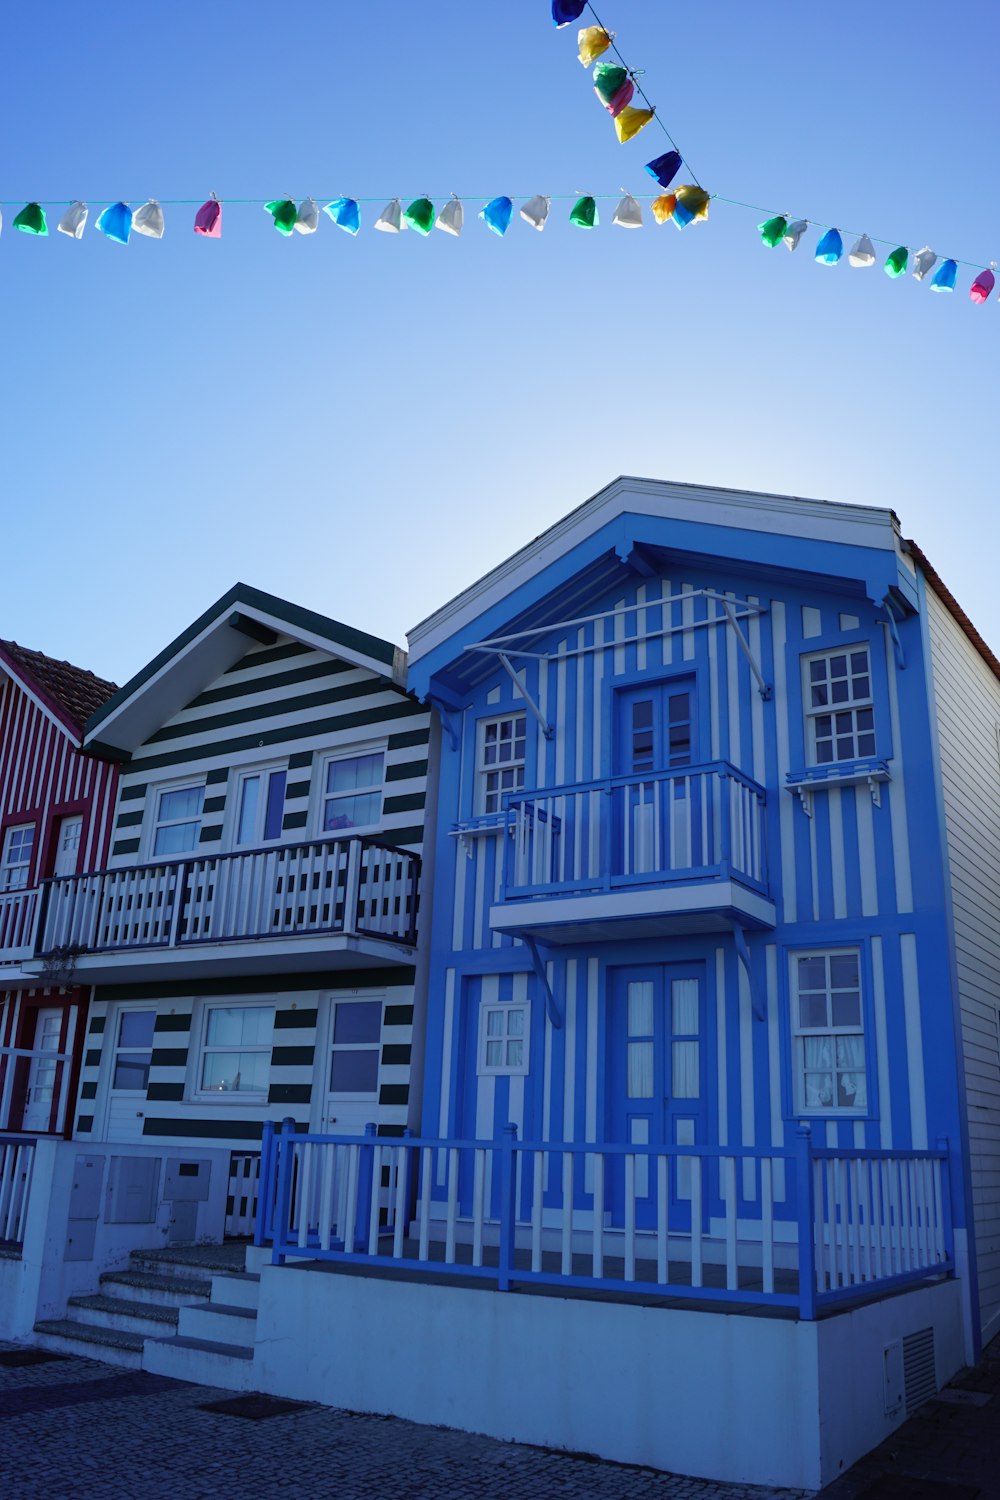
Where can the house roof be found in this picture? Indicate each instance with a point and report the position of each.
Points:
(211, 645)
(70, 693)
(953, 607)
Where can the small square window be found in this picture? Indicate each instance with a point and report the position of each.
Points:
(502, 745)
(503, 1039)
(236, 1050)
(177, 820)
(828, 1033)
(18, 847)
(352, 792)
(839, 680)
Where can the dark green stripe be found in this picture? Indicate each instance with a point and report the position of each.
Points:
(408, 738)
(396, 1053)
(254, 713)
(207, 1130)
(214, 777)
(289, 1093)
(214, 804)
(294, 820)
(166, 1092)
(84, 1124)
(129, 819)
(96, 1025)
(391, 1130)
(93, 1058)
(398, 838)
(406, 770)
(407, 802)
(394, 1093)
(172, 1023)
(398, 1015)
(170, 1057)
(88, 1090)
(294, 1020)
(210, 834)
(404, 707)
(292, 1057)
(272, 653)
(296, 789)
(125, 846)
(273, 680)
(389, 976)
(300, 761)
(133, 789)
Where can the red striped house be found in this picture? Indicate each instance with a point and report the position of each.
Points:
(56, 812)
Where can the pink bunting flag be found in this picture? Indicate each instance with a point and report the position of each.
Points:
(618, 101)
(208, 219)
(981, 288)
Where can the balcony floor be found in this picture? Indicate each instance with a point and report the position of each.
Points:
(638, 912)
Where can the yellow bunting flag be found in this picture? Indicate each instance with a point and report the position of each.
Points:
(663, 207)
(592, 42)
(631, 121)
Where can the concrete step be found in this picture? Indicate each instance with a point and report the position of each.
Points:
(227, 1366)
(110, 1346)
(101, 1311)
(165, 1291)
(191, 1260)
(218, 1324)
(240, 1290)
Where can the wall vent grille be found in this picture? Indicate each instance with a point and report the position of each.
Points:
(919, 1373)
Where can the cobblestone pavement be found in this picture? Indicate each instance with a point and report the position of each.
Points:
(72, 1429)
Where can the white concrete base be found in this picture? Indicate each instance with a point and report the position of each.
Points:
(722, 1396)
(201, 1363)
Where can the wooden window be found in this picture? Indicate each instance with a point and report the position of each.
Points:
(18, 845)
(235, 1053)
(503, 1039)
(177, 824)
(828, 1033)
(260, 806)
(500, 766)
(352, 792)
(840, 713)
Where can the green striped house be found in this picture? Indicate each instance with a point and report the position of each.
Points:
(253, 945)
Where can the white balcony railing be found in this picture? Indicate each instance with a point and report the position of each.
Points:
(351, 886)
(694, 823)
(18, 924)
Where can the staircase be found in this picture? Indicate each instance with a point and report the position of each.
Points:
(188, 1312)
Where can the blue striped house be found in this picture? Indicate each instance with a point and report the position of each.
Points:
(717, 864)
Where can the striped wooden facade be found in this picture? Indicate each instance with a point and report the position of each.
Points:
(286, 703)
(851, 862)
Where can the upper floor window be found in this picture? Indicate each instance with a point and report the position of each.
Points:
(260, 806)
(840, 717)
(17, 850)
(503, 1038)
(500, 766)
(829, 1035)
(352, 792)
(177, 823)
(236, 1050)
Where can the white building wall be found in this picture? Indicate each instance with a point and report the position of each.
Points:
(968, 720)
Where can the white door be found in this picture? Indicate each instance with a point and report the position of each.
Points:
(129, 1066)
(68, 847)
(352, 1065)
(43, 1072)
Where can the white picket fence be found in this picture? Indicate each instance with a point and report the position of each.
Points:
(17, 1157)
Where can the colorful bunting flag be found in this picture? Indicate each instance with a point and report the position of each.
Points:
(148, 220)
(895, 261)
(664, 206)
(307, 216)
(584, 213)
(772, 231)
(630, 121)
(345, 214)
(31, 219)
(923, 261)
(983, 285)
(794, 233)
(536, 211)
(692, 203)
(391, 220)
(565, 12)
(74, 220)
(628, 214)
(420, 215)
(496, 215)
(862, 253)
(830, 248)
(116, 223)
(452, 217)
(945, 276)
(665, 168)
(283, 212)
(613, 87)
(208, 219)
(592, 41)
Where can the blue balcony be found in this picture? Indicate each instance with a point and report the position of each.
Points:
(627, 857)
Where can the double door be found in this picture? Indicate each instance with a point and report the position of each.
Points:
(655, 800)
(655, 1085)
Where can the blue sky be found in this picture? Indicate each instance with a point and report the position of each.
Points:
(364, 426)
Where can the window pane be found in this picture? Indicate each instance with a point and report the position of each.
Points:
(846, 1009)
(249, 1026)
(352, 812)
(354, 1072)
(515, 1053)
(132, 1072)
(812, 1011)
(640, 1070)
(819, 1090)
(494, 1023)
(812, 973)
(183, 803)
(853, 1090)
(515, 1021)
(249, 801)
(360, 771)
(685, 999)
(640, 1008)
(236, 1072)
(275, 804)
(844, 971)
(685, 1070)
(494, 1054)
(135, 1029)
(357, 1021)
(176, 838)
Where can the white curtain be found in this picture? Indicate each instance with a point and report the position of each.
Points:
(685, 1070)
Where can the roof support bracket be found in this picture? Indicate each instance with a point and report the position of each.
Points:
(757, 1000)
(554, 1013)
(894, 632)
(762, 687)
(546, 727)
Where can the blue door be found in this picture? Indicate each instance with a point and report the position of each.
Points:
(654, 830)
(655, 1081)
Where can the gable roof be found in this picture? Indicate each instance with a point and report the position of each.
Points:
(211, 645)
(70, 694)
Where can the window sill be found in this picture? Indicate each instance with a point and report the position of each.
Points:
(871, 773)
(228, 1097)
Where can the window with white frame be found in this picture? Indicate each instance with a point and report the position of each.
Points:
(828, 1032)
(352, 791)
(17, 849)
(500, 767)
(260, 806)
(235, 1054)
(503, 1038)
(177, 819)
(840, 717)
